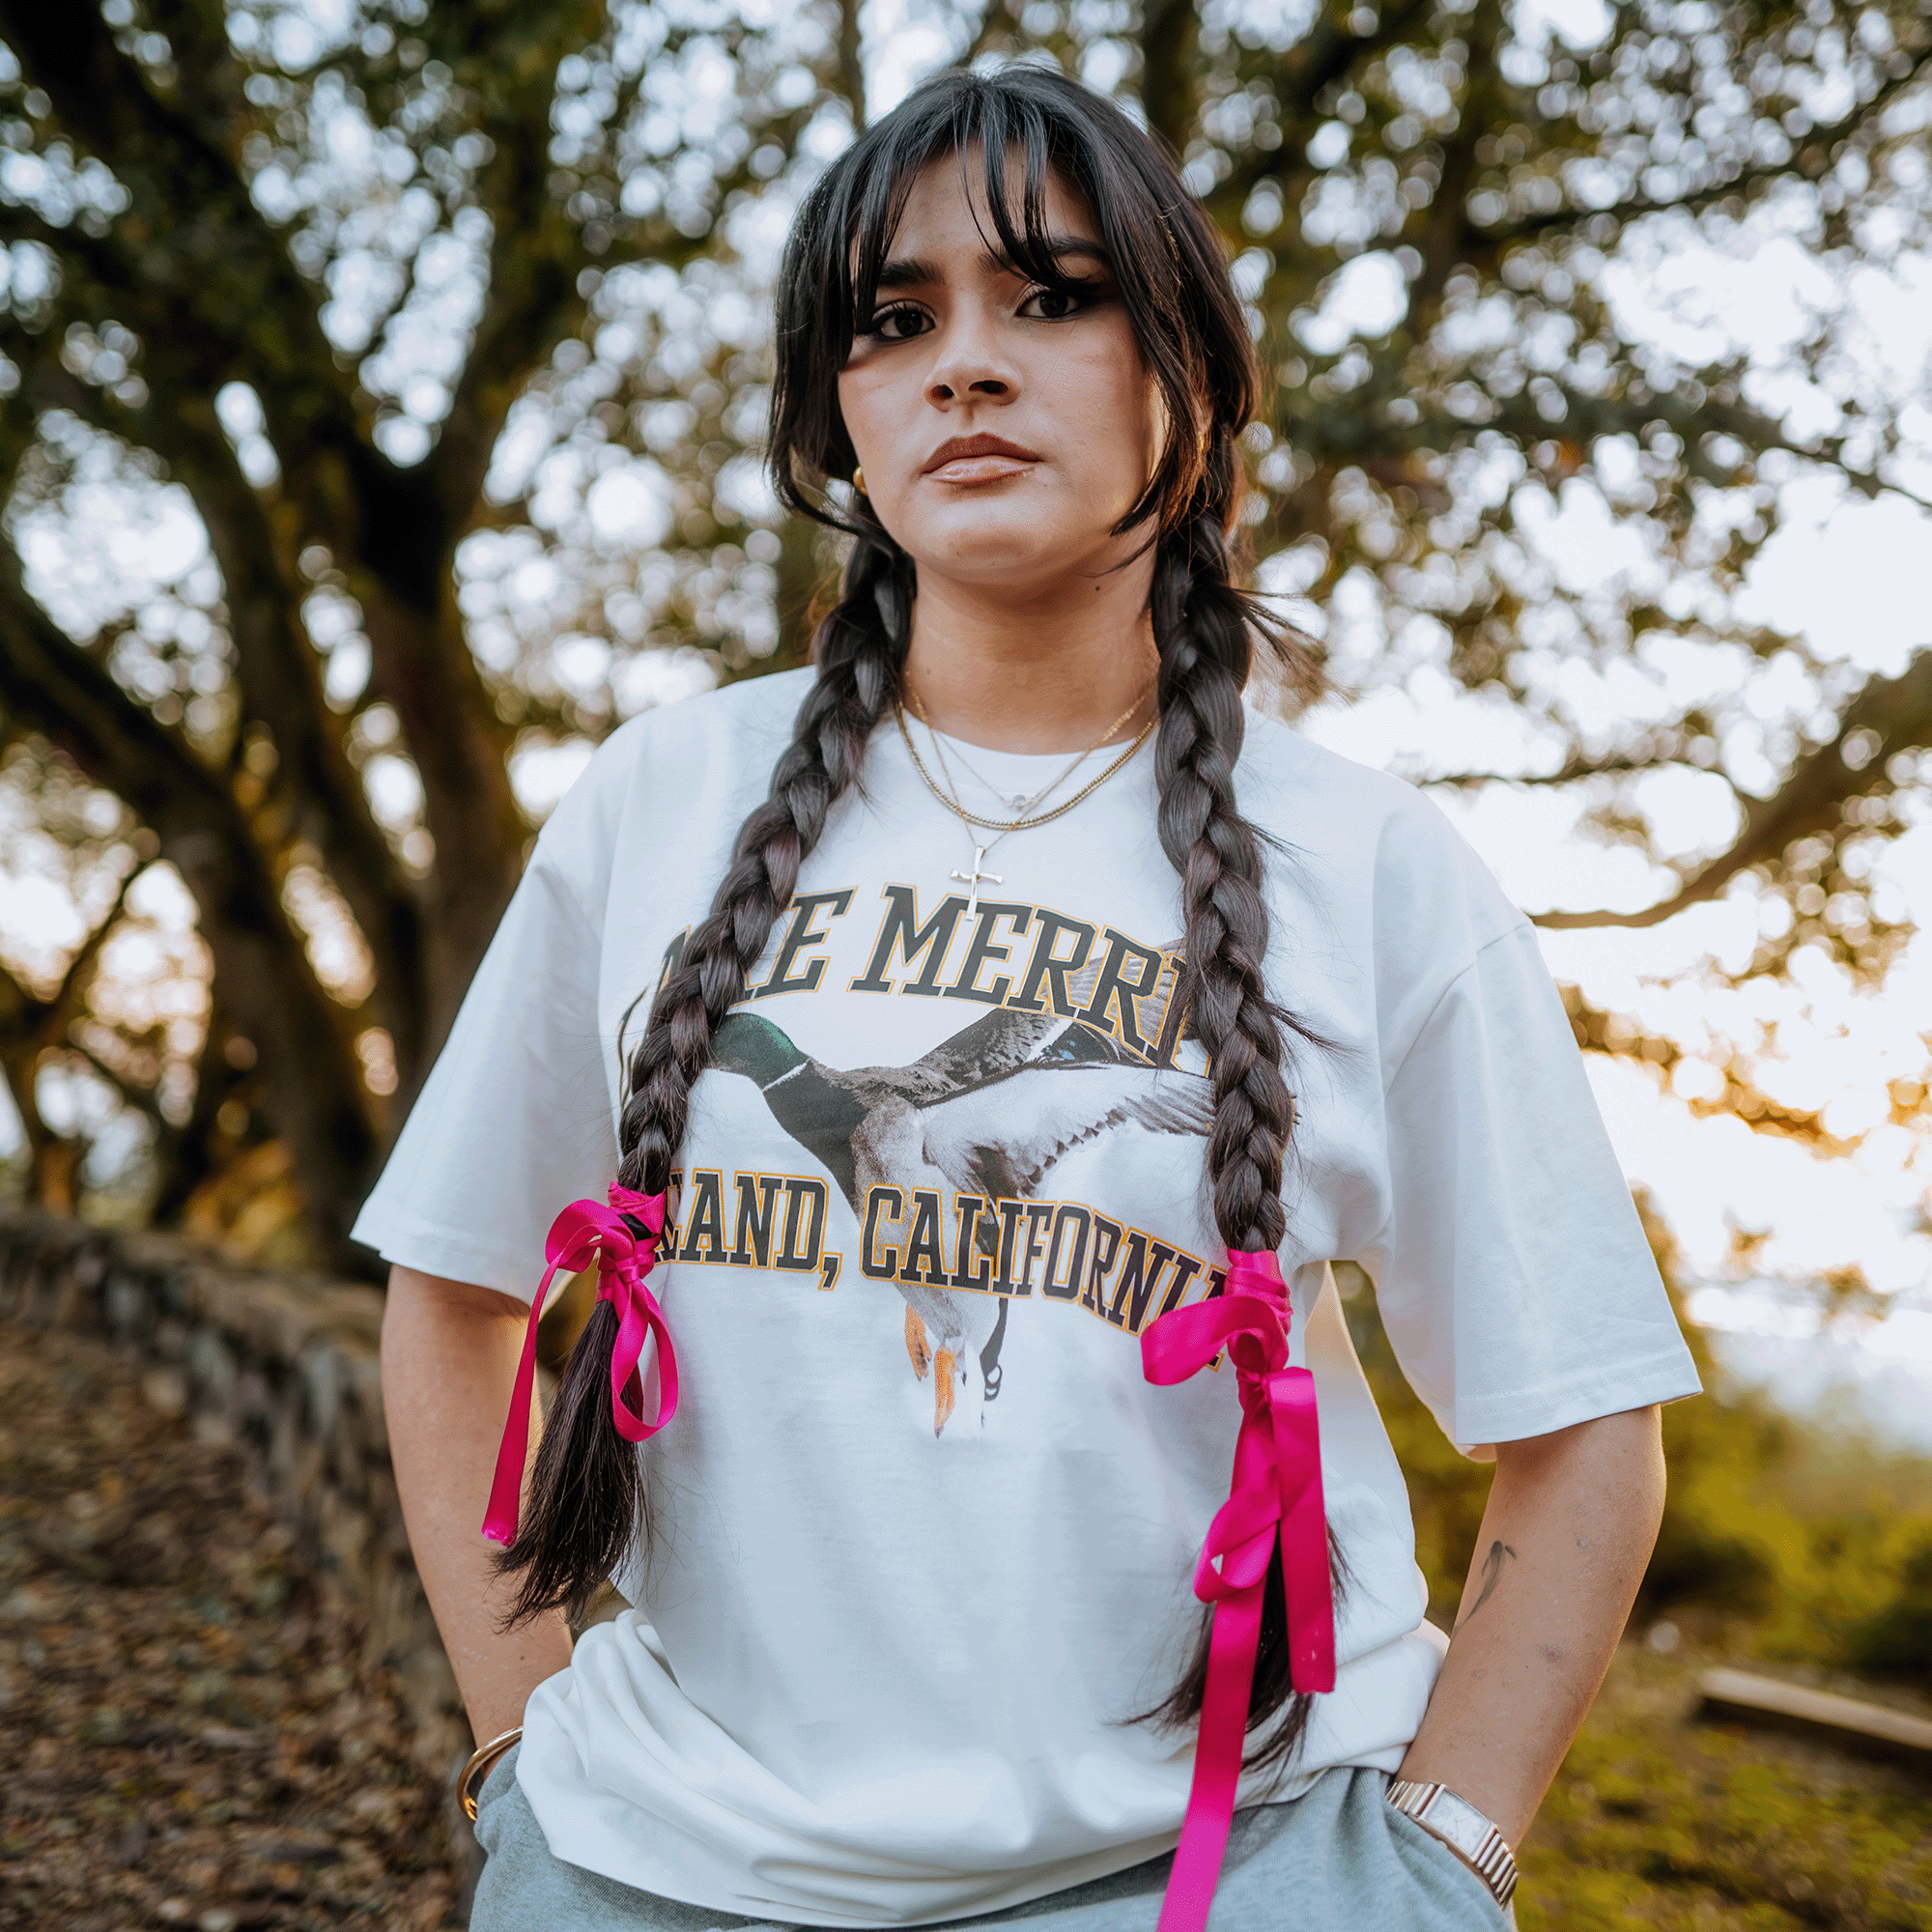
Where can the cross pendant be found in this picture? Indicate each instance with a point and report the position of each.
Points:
(973, 899)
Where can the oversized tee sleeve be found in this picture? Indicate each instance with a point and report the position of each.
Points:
(514, 1119)
(1512, 1271)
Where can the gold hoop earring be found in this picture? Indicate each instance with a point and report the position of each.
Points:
(858, 479)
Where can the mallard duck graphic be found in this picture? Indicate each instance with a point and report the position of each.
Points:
(988, 1111)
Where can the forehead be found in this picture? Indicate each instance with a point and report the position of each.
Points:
(947, 211)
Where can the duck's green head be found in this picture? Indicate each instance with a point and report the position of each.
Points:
(755, 1047)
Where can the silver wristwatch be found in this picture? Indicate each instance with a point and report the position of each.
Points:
(1457, 1822)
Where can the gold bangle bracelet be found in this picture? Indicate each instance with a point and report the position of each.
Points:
(481, 1760)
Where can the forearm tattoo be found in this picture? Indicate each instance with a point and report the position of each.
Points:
(1492, 1574)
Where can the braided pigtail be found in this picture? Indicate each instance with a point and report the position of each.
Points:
(587, 1492)
(1204, 628)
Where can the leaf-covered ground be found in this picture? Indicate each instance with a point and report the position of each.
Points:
(189, 1736)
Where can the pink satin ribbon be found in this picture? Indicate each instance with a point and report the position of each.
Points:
(1276, 1490)
(587, 1230)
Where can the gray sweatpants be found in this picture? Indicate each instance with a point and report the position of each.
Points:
(1336, 1860)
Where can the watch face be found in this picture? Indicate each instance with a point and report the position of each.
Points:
(1454, 1820)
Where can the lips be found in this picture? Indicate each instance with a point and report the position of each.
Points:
(979, 459)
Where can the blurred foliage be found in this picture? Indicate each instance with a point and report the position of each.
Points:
(1783, 1547)
(1897, 1639)
(1811, 1548)
(1660, 1825)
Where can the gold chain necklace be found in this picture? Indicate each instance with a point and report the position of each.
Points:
(1020, 807)
(1003, 826)
(1022, 823)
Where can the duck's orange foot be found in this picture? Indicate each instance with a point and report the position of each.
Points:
(946, 1372)
(916, 1344)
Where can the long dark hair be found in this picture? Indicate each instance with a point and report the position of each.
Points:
(588, 1498)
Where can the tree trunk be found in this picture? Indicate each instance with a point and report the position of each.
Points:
(188, 1153)
(312, 1084)
(424, 669)
(53, 1176)
(1169, 31)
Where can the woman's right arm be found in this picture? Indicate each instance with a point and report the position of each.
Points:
(449, 1361)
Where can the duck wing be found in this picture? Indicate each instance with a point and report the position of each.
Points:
(1002, 1138)
(989, 1049)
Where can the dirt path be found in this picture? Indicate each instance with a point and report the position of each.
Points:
(189, 1737)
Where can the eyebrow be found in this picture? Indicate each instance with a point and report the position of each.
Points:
(904, 271)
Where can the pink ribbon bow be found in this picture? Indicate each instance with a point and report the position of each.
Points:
(1276, 1490)
(584, 1230)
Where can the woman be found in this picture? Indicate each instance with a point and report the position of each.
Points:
(963, 1133)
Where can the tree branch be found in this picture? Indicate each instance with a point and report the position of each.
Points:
(1443, 222)
(219, 297)
(1588, 415)
(982, 36)
(536, 256)
(1573, 771)
(851, 62)
(143, 1100)
(536, 249)
(23, 1041)
(1634, 208)
(222, 269)
(1325, 56)
(101, 256)
(38, 1024)
(206, 282)
(65, 1001)
(188, 1156)
(1898, 711)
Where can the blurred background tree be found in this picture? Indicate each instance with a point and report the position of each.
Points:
(384, 382)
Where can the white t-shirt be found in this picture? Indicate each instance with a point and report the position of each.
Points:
(925, 1535)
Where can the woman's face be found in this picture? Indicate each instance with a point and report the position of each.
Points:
(1058, 419)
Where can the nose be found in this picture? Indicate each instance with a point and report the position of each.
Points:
(969, 365)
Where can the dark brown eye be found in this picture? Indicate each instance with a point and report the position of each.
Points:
(1064, 302)
(894, 325)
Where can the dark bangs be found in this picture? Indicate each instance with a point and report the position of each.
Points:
(1168, 263)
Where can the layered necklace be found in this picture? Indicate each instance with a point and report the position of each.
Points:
(1027, 813)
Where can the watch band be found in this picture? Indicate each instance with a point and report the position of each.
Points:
(1457, 1822)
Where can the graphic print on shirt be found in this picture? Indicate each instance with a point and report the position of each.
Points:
(941, 1161)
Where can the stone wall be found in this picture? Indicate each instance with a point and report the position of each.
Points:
(288, 1367)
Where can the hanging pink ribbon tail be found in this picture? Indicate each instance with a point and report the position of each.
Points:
(588, 1231)
(1276, 1492)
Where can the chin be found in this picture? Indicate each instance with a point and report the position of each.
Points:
(998, 542)
(1010, 564)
